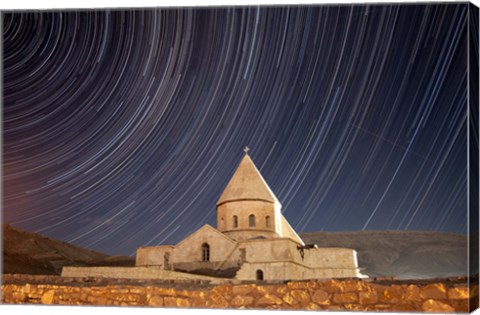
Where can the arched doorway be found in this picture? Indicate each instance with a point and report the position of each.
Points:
(259, 274)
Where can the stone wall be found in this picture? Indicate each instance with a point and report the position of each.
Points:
(278, 258)
(242, 209)
(190, 249)
(438, 295)
(132, 273)
(153, 256)
(290, 270)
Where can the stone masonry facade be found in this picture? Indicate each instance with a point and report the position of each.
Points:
(436, 295)
(252, 241)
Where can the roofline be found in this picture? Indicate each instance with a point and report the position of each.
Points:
(250, 230)
(208, 226)
(245, 199)
(155, 246)
(275, 239)
(284, 220)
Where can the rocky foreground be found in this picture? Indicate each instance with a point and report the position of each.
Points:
(434, 295)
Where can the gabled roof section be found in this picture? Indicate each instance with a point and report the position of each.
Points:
(206, 229)
(288, 231)
(247, 184)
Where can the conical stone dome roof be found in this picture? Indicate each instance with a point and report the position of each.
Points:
(247, 184)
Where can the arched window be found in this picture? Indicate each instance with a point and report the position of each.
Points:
(259, 274)
(251, 221)
(205, 252)
(235, 221)
(267, 221)
(222, 223)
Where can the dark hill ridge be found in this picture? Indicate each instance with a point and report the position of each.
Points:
(402, 254)
(30, 253)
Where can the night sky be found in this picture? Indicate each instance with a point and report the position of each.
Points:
(122, 128)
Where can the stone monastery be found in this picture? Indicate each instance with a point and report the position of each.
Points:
(252, 241)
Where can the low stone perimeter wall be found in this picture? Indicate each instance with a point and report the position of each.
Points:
(133, 273)
(436, 295)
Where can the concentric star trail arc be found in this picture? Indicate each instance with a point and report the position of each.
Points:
(122, 127)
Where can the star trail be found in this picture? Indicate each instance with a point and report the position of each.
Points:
(121, 128)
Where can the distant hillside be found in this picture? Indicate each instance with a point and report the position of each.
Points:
(403, 254)
(30, 253)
